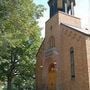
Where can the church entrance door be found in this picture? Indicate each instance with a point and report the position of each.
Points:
(52, 77)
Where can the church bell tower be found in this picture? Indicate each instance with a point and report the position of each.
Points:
(66, 6)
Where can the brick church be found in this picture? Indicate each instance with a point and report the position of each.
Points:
(63, 60)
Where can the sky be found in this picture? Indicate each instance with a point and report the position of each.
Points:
(82, 10)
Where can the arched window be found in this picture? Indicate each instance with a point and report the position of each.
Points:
(72, 63)
(51, 42)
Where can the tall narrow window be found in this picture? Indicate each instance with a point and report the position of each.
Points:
(51, 42)
(72, 63)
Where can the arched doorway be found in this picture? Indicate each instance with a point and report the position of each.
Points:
(52, 77)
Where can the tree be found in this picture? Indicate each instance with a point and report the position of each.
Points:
(19, 41)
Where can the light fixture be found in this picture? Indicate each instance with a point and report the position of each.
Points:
(54, 63)
(41, 66)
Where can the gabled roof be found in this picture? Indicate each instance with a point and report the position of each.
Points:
(80, 30)
(40, 47)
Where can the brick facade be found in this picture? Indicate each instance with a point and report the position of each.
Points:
(57, 58)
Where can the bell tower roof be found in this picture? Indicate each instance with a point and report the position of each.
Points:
(61, 5)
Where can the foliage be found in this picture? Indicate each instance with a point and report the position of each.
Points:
(19, 42)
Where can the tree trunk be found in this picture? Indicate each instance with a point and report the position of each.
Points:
(10, 71)
(9, 83)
